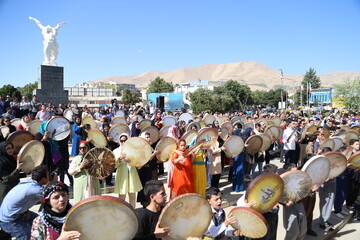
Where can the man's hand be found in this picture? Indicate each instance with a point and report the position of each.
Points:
(161, 232)
(230, 219)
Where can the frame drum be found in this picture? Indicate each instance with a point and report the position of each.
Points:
(338, 163)
(254, 144)
(19, 139)
(241, 123)
(68, 114)
(4, 130)
(274, 132)
(34, 126)
(144, 123)
(15, 122)
(59, 127)
(120, 113)
(328, 143)
(97, 138)
(224, 133)
(350, 135)
(297, 185)
(186, 117)
(189, 136)
(234, 146)
(118, 120)
(223, 120)
(348, 152)
(326, 133)
(210, 135)
(338, 143)
(89, 120)
(169, 121)
(303, 133)
(236, 119)
(276, 121)
(140, 118)
(266, 141)
(355, 160)
(166, 146)
(311, 130)
(194, 148)
(190, 125)
(188, 215)
(138, 151)
(356, 128)
(118, 129)
(154, 133)
(228, 126)
(209, 119)
(248, 125)
(164, 131)
(102, 162)
(266, 189)
(318, 168)
(249, 222)
(102, 217)
(31, 154)
(262, 120)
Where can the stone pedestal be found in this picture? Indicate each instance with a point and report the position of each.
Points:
(51, 85)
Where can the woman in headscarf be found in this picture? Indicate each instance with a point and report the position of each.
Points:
(182, 127)
(6, 122)
(127, 179)
(145, 171)
(216, 124)
(24, 123)
(183, 180)
(76, 128)
(9, 169)
(84, 185)
(135, 129)
(52, 154)
(52, 215)
(216, 157)
(239, 165)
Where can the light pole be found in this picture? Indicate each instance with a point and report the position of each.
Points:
(281, 88)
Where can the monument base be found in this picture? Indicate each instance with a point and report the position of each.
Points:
(51, 85)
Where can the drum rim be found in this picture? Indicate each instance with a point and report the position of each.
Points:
(232, 137)
(23, 148)
(98, 132)
(158, 156)
(59, 117)
(93, 149)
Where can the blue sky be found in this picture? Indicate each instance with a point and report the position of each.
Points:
(118, 38)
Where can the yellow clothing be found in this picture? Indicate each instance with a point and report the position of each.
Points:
(127, 178)
(200, 174)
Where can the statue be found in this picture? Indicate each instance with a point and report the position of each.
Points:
(50, 44)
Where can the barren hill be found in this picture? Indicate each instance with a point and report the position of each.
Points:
(256, 75)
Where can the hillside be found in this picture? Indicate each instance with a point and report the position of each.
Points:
(256, 75)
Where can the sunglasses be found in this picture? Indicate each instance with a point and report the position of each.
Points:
(82, 147)
(122, 141)
(6, 121)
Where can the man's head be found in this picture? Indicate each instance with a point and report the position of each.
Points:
(40, 174)
(154, 190)
(271, 168)
(214, 197)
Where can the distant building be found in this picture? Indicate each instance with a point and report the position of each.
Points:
(321, 96)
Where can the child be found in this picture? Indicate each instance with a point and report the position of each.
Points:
(148, 217)
(218, 228)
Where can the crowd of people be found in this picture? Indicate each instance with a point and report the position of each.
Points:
(198, 172)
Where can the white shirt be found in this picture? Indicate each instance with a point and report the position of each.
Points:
(291, 143)
(214, 231)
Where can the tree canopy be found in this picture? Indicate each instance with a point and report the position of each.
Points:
(130, 97)
(10, 90)
(349, 91)
(159, 85)
(28, 89)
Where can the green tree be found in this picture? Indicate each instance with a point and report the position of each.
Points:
(201, 100)
(10, 90)
(349, 91)
(119, 90)
(310, 79)
(28, 89)
(159, 85)
(241, 94)
(130, 97)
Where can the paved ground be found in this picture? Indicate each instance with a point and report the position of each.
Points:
(351, 231)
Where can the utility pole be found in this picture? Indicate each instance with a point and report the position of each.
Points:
(281, 89)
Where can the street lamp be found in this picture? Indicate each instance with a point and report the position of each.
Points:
(281, 88)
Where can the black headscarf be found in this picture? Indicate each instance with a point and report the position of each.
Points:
(134, 131)
(50, 218)
(7, 162)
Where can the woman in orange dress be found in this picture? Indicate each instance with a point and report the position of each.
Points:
(183, 180)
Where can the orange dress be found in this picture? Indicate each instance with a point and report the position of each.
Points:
(183, 180)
